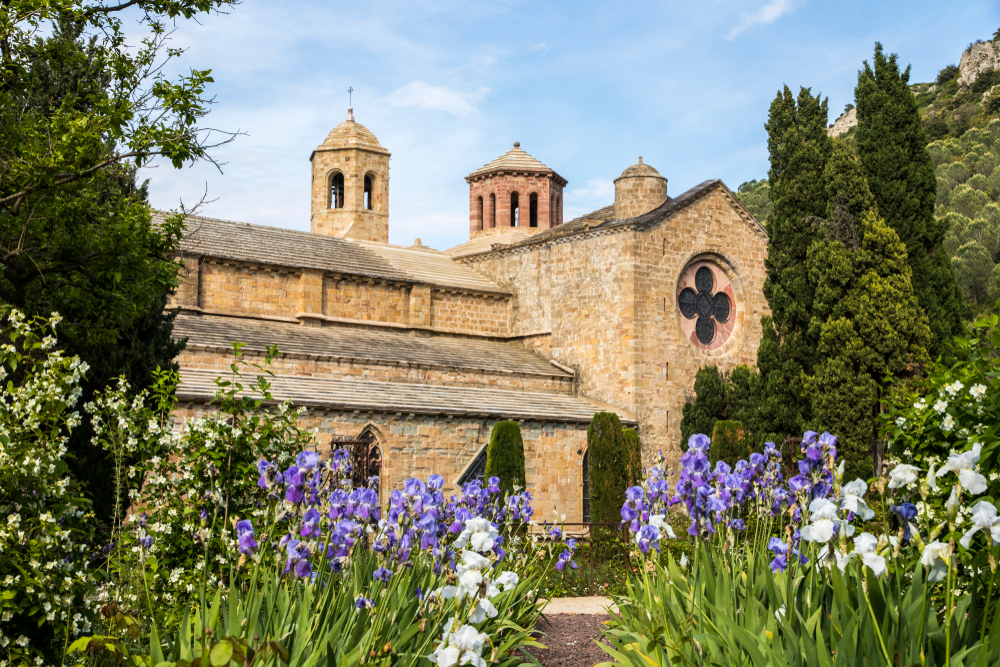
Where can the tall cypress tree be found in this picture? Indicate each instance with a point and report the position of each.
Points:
(505, 456)
(870, 323)
(708, 406)
(799, 148)
(608, 462)
(891, 144)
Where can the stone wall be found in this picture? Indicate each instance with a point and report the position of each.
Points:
(353, 221)
(465, 313)
(635, 195)
(369, 301)
(605, 304)
(247, 289)
(421, 445)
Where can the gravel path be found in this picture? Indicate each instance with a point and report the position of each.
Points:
(570, 640)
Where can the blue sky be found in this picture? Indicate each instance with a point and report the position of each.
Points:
(586, 87)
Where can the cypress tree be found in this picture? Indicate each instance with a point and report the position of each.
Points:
(799, 148)
(869, 320)
(608, 462)
(892, 146)
(505, 456)
(728, 442)
(633, 447)
(708, 406)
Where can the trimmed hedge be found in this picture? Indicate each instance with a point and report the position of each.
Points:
(633, 447)
(609, 463)
(729, 442)
(505, 456)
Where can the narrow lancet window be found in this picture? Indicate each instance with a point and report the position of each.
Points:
(337, 191)
(368, 192)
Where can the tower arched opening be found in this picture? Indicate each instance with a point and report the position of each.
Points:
(533, 210)
(336, 191)
(369, 186)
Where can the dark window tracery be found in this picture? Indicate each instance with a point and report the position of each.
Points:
(707, 307)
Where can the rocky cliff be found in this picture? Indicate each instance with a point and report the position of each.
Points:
(978, 58)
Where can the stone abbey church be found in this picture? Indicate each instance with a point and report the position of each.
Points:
(544, 321)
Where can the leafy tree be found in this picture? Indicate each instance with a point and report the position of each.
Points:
(799, 148)
(870, 324)
(505, 456)
(608, 462)
(756, 196)
(729, 442)
(892, 146)
(974, 272)
(709, 404)
(80, 111)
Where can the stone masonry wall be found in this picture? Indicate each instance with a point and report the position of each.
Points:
(364, 300)
(635, 195)
(458, 312)
(581, 291)
(353, 221)
(421, 445)
(609, 303)
(248, 289)
(208, 358)
(709, 229)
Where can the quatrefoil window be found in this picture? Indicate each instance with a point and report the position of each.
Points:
(709, 308)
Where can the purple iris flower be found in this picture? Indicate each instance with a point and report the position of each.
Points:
(435, 482)
(363, 603)
(906, 512)
(756, 459)
(293, 494)
(303, 568)
(814, 453)
(699, 442)
(382, 574)
(310, 523)
(146, 542)
(648, 537)
(307, 459)
(738, 524)
(247, 544)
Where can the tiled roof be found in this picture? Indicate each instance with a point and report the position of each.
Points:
(515, 159)
(351, 134)
(484, 243)
(408, 398)
(244, 242)
(362, 345)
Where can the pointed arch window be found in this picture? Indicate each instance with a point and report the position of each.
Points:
(368, 192)
(586, 487)
(515, 212)
(475, 471)
(493, 210)
(479, 207)
(337, 191)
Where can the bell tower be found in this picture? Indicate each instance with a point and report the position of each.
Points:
(350, 184)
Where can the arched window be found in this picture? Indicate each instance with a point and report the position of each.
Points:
(479, 207)
(368, 192)
(475, 471)
(586, 487)
(337, 191)
(493, 210)
(514, 212)
(533, 210)
(559, 218)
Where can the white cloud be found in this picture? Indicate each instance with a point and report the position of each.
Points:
(541, 46)
(419, 94)
(766, 15)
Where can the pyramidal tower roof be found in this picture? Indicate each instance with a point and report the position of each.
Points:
(515, 160)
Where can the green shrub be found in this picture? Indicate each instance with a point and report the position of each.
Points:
(633, 448)
(729, 442)
(505, 456)
(608, 463)
(708, 406)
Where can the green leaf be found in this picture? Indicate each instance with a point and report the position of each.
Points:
(221, 654)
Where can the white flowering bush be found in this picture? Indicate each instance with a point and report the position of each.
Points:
(44, 520)
(185, 475)
(954, 409)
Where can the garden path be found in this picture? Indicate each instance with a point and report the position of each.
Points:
(569, 632)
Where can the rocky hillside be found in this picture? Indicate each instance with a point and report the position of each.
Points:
(961, 116)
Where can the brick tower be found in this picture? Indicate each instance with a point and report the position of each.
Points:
(350, 184)
(515, 191)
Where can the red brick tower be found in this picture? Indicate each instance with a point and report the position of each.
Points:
(514, 192)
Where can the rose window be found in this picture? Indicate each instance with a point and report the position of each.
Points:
(706, 302)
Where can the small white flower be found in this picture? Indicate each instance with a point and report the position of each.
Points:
(978, 391)
(954, 388)
(948, 423)
(900, 422)
(940, 407)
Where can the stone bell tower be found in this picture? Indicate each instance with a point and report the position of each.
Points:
(350, 184)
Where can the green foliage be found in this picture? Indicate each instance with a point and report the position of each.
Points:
(729, 442)
(47, 593)
(956, 404)
(947, 74)
(633, 447)
(799, 149)
(756, 196)
(505, 456)
(892, 147)
(609, 463)
(727, 609)
(709, 404)
(209, 462)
